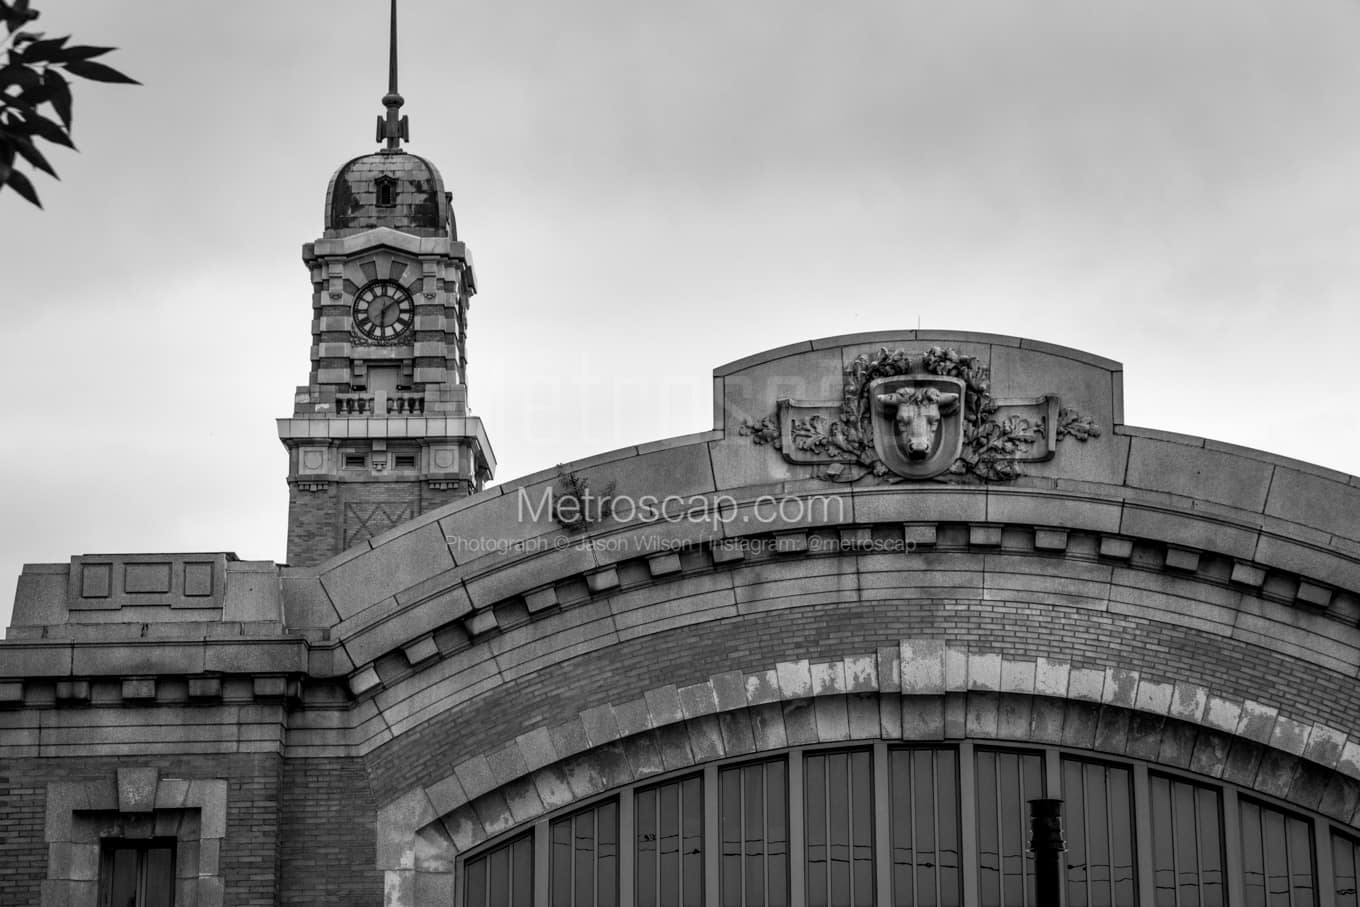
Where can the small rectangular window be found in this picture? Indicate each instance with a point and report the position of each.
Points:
(137, 873)
(354, 461)
(404, 461)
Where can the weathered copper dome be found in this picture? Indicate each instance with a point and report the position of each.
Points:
(387, 189)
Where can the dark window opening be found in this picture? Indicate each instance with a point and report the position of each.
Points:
(503, 877)
(753, 821)
(838, 828)
(669, 827)
(387, 192)
(1188, 865)
(1006, 781)
(1278, 865)
(583, 868)
(926, 842)
(405, 461)
(354, 461)
(137, 873)
(1101, 865)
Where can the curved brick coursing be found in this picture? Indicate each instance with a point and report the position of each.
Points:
(1094, 611)
(420, 645)
(922, 689)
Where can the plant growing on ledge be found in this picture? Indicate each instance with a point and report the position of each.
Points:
(575, 506)
(31, 81)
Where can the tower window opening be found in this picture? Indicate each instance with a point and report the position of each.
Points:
(387, 191)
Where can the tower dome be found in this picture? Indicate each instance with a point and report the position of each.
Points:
(388, 189)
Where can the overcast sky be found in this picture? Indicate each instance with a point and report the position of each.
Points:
(653, 189)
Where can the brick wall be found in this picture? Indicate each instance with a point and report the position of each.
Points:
(327, 834)
(319, 521)
(250, 852)
(1084, 636)
(313, 525)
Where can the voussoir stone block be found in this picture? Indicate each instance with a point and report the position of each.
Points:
(600, 725)
(1324, 745)
(1257, 721)
(664, 705)
(1121, 687)
(1290, 736)
(729, 688)
(1051, 677)
(828, 678)
(697, 699)
(861, 673)
(795, 679)
(537, 749)
(984, 671)
(1017, 676)
(137, 789)
(762, 687)
(1222, 714)
(922, 666)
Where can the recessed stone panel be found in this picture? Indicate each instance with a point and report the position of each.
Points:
(96, 580)
(198, 579)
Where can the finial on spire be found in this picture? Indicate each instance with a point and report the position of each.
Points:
(394, 128)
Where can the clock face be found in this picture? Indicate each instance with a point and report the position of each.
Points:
(383, 311)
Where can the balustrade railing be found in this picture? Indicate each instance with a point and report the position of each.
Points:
(366, 404)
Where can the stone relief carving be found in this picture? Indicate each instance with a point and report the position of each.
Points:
(904, 416)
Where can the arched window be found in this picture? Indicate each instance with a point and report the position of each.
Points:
(901, 825)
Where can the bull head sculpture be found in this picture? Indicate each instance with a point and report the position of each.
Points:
(917, 419)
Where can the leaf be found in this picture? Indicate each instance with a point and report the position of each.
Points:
(17, 74)
(20, 14)
(60, 91)
(20, 184)
(97, 72)
(81, 52)
(44, 128)
(30, 153)
(44, 50)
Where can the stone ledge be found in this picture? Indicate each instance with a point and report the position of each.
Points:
(1077, 547)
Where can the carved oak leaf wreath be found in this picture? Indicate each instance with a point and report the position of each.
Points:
(990, 445)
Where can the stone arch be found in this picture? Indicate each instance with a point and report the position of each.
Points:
(922, 690)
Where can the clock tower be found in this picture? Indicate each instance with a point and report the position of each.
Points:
(381, 433)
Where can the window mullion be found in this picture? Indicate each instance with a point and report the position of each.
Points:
(626, 847)
(142, 876)
(796, 816)
(712, 831)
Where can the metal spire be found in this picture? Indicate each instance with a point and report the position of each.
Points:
(394, 128)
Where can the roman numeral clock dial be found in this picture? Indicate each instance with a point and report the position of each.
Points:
(383, 311)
